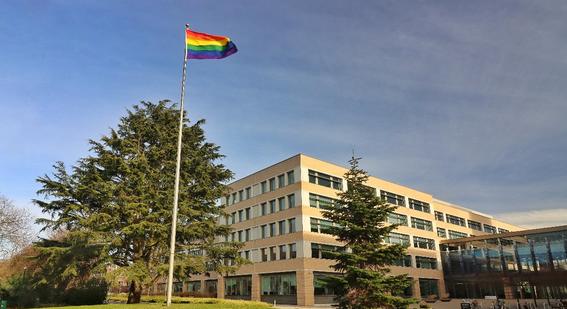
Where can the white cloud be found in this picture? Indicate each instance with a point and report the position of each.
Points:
(536, 218)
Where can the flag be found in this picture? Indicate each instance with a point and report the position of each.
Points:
(208, 46)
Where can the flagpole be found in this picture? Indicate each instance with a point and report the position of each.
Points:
(177, 173)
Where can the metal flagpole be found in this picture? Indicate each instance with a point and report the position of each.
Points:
(177, 172)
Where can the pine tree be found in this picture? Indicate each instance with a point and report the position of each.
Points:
(119, 199)
(361, 219)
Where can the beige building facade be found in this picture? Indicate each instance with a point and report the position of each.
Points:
(277, 213)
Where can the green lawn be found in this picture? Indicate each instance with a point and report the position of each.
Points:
(156, 302)
(223, 304)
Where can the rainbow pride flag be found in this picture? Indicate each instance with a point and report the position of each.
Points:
(208, 46)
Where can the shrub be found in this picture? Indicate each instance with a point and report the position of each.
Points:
(92, 292)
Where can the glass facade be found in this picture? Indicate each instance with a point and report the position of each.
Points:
(278, 284)
(511, 265)
(238, 286)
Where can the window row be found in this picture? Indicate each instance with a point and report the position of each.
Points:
(275, 205)
(420, 262)
(278, 228)
(269, 185)
(417, 223)
(325, 180)
(322, 251)
(404, 240)
(321, 225)
(474, 225)
(281, 252)
(281, 227)
(322, 202)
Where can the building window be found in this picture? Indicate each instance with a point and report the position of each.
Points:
(455, 220)
(455, 234)
(247, 234)
(501, 230)
(393, 198)
(233, 236)
(439, 216)
(240, 215)
(395, 218)
(281, 227)
(281, 181)
(474, 225)
(264, 207)
(264, 254)
(290, 177)
(273, 254)
(403, 262)
(292, 251)
(321, 251)
(272, 183)
(428, 287)
(291, 201)
(424, 243)
(489, 229)
(281, 203)
(241, 195)
(421, 224)
(264, 187)
(291, 224)
(425, 262)
(264, 229)
(325, 180)
(272, 229)
(398, 239)
(240, 236)
(247, 254)
(238, 286)
(233, 218)
(419, 205)
(319, 201)
(234, 198)
(247, 213)
(193, 286)
(321, 225)
(441, 232)
(248, 193)
(279, 284)
(283, 252)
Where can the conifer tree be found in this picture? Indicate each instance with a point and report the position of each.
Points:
(360, 216)
(119, 200)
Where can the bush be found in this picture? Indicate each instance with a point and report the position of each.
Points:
(92, 292)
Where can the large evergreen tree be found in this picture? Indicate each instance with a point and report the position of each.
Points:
(116, 204)
(361, 218)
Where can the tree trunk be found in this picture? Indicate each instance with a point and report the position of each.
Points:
(134, 293)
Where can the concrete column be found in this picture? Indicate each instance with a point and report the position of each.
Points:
(256, 287)
(415, 288)
(442, 289)
(220, 287)
(305, 289)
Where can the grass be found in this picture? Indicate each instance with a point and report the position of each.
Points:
(157, 302)
(222, 304)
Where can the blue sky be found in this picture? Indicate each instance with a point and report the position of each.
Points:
(462, 99)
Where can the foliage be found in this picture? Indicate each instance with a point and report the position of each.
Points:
(19, 292)
(15, 228)
(91, 292)
(116, 204)
(361, 219)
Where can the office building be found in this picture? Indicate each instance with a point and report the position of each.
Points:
(277, 212)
